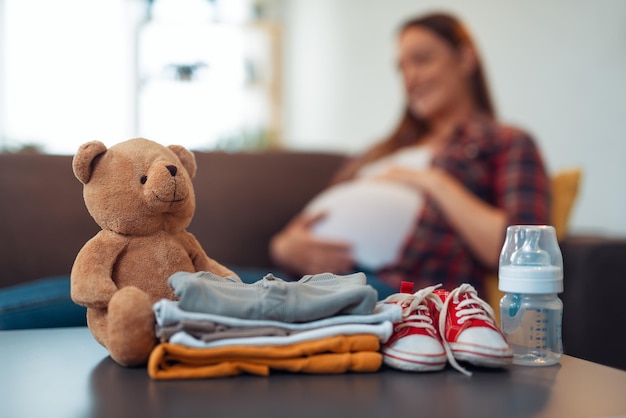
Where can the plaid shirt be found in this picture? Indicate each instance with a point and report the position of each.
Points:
(502, 166)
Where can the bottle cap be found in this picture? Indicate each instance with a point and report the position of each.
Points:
(531, 260)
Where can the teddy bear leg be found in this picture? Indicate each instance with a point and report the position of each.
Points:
(130, 327)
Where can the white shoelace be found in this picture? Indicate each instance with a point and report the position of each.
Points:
(415, 312)
(465, 312)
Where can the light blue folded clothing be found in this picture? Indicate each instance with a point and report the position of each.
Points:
(168, 312)
(310, 298)
(382, 330)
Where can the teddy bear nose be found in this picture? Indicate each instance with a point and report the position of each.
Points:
(172, 169)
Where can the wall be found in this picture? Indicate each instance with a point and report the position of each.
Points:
(557, 69)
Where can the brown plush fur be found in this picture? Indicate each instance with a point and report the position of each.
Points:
(140, 193)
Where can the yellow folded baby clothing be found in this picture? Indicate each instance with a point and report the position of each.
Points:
(336, 354)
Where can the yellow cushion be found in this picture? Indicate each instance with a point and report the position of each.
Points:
(564, 186)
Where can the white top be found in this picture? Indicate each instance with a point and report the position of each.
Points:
(376, 217)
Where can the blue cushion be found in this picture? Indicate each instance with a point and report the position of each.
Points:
(44, 303)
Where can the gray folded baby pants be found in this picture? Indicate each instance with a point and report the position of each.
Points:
(310, 298)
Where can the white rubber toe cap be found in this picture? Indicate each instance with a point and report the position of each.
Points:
(418, 345)
(482, 336)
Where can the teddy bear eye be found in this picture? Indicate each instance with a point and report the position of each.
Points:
(144, 179)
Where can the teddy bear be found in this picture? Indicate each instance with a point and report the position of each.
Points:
(141, 194)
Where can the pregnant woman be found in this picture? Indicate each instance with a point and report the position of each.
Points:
(429, 204)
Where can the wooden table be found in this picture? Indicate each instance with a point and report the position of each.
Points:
(64, 373)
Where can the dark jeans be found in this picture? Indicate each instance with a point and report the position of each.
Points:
(43, 303)
(251, 275)
(46, 303)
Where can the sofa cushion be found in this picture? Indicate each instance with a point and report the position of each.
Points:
(244, 198)
(43, 219)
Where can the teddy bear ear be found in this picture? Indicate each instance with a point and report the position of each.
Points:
(82, 164)
(186, 157)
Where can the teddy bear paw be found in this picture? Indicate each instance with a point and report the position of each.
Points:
(131, 335)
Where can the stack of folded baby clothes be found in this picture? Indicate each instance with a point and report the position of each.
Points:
(322, 323)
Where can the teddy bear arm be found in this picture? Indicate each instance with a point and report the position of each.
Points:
(213, 266)
(202, 262)
(91, 282)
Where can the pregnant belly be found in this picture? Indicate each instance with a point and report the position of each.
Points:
(376, 217)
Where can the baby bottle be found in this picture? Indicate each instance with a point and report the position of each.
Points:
(531, 275)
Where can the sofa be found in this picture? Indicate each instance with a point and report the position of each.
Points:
(243, 198)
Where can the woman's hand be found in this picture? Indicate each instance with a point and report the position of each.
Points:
(298, 250)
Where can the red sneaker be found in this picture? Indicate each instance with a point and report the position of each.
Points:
(468, 327)
(415, 344)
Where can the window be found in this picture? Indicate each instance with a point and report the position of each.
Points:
(183, 72)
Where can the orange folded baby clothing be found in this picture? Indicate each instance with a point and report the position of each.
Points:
(336, 354)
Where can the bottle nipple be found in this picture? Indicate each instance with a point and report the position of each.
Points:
(530, 254)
